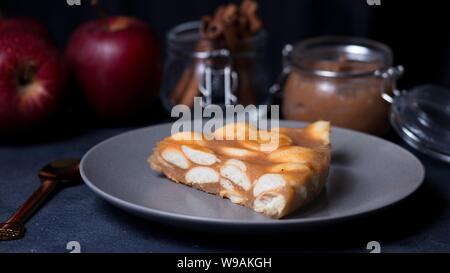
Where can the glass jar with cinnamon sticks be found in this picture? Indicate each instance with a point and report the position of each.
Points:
(220, 59)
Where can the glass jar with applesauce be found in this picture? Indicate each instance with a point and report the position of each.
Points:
(344, 80)
(195, 67)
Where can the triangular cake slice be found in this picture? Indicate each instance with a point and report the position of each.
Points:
(240, 162)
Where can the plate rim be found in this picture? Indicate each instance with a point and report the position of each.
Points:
(164, 215)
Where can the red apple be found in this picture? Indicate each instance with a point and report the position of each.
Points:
(116, 64)
(32, 81)
(29, 25)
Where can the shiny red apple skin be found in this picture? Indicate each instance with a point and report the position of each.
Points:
(27, 99)
(23, 24)
(116, 63)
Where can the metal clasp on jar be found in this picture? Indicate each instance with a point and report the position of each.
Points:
(390, 74)
(286, 61)
(230, 77)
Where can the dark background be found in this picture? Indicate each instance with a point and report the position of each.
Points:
(417, 31)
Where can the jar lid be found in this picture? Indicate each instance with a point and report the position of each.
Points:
(338, 56)
(422, 118)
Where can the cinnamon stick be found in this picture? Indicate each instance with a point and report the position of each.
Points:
(205, 21)
(230, 27)
(192, 90)
(182, 85)
(249, 9)
(215, 28)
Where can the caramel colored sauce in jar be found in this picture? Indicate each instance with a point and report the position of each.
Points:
(349, 96)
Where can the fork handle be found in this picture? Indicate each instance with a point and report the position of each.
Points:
(33, 202)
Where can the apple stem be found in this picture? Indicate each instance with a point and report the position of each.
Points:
(28, 72)
(100, 11)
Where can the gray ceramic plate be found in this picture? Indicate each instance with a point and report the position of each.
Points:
(367, 174)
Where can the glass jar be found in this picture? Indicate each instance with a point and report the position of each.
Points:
(196, 67)
(340, 79)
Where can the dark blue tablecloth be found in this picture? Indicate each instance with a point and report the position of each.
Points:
(419, 224)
